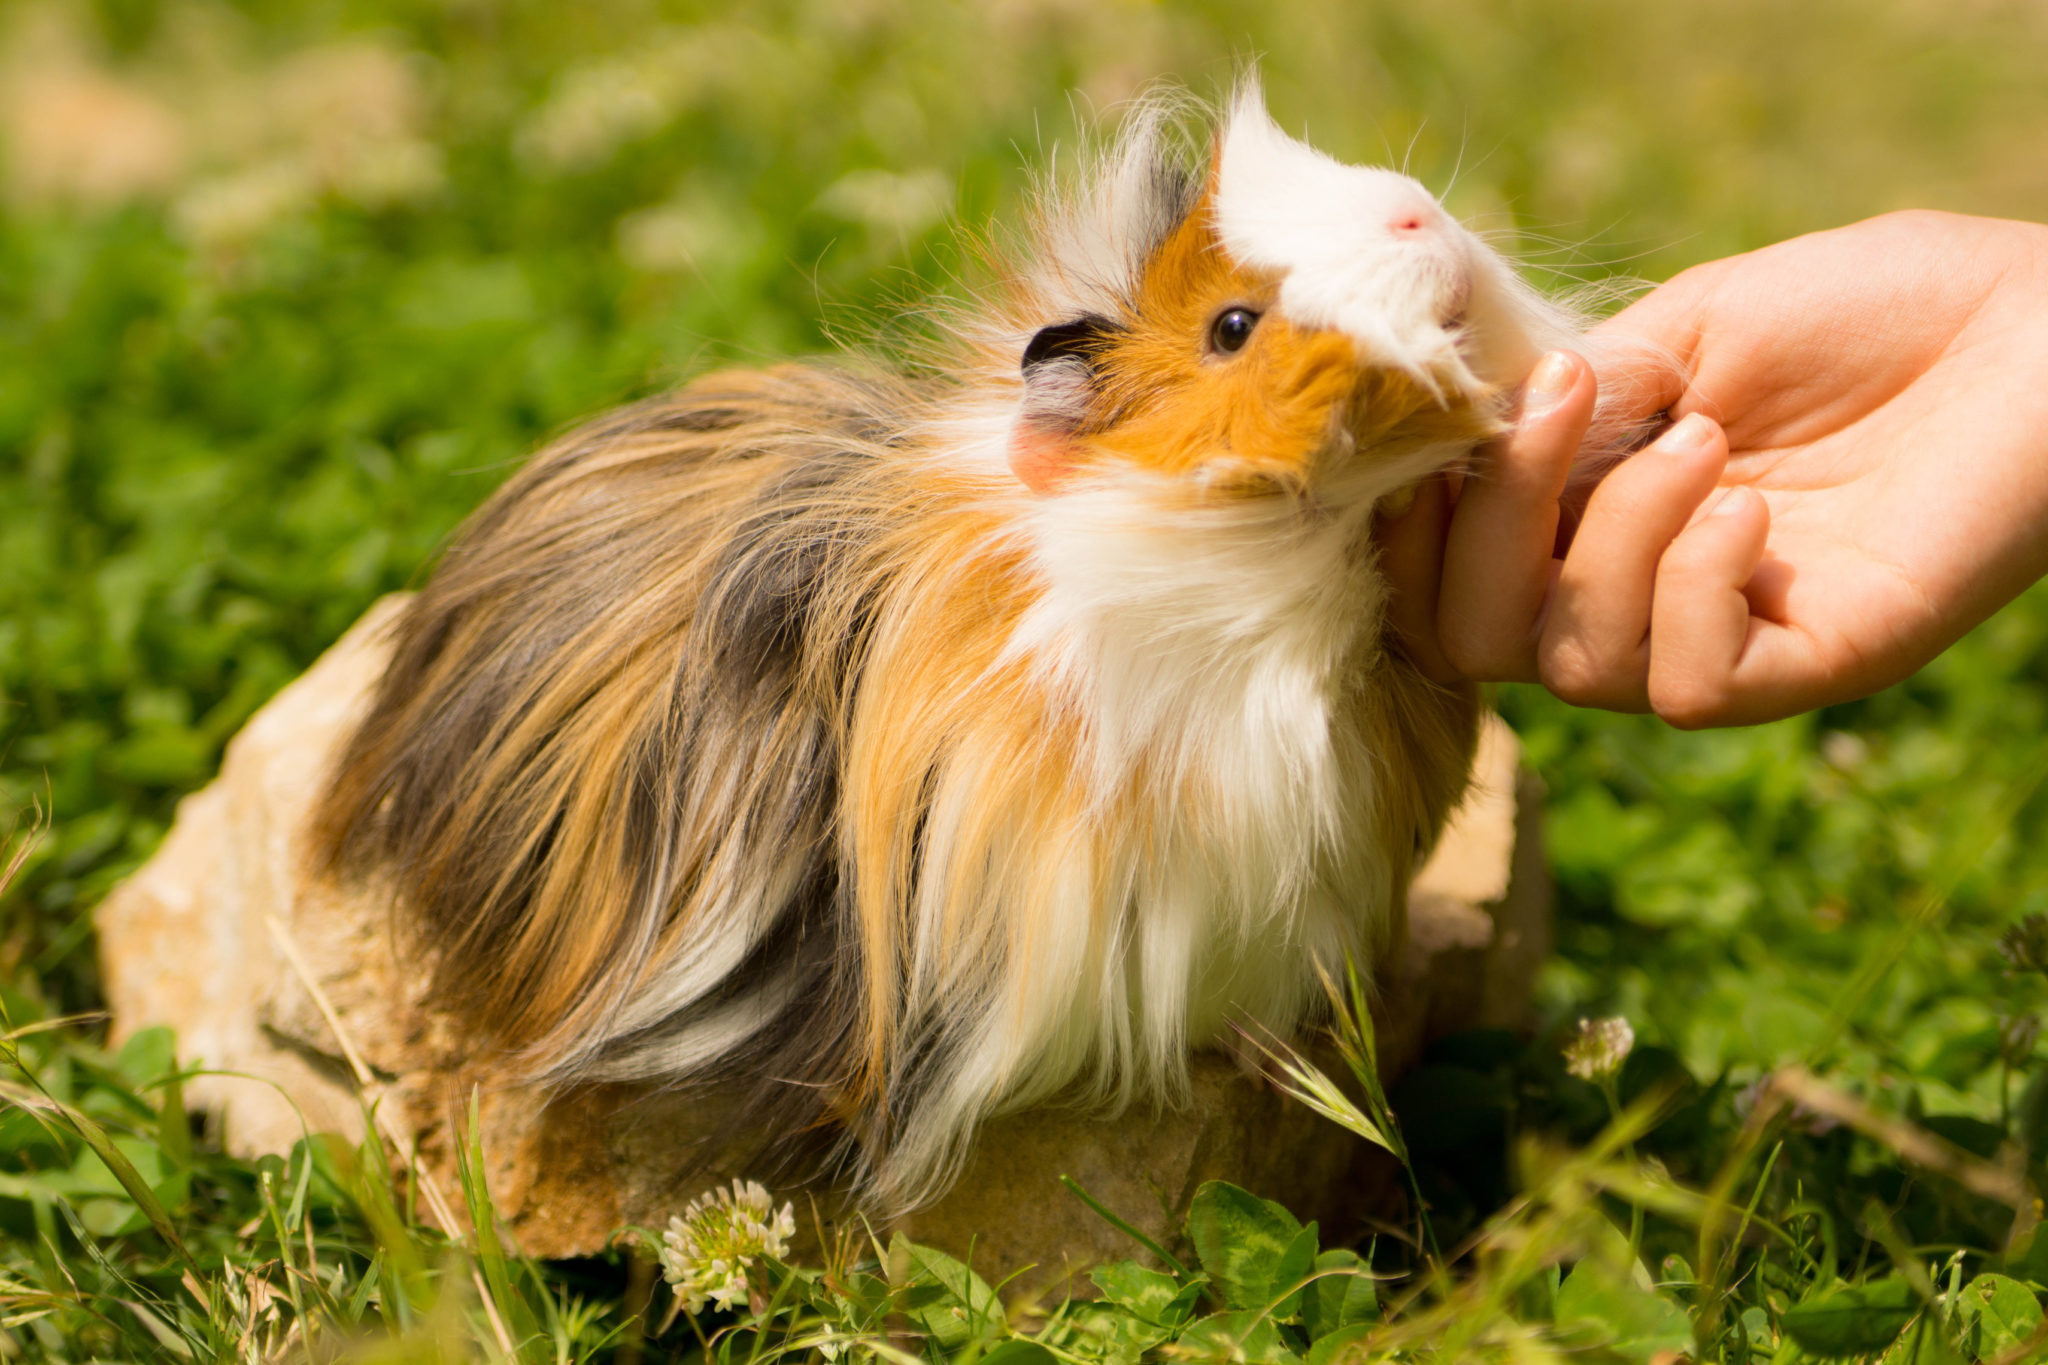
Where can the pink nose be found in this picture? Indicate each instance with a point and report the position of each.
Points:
(1414, 218)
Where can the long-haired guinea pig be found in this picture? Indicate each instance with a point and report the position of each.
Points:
(909, 749)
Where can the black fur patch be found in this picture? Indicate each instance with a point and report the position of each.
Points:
(1082, 339)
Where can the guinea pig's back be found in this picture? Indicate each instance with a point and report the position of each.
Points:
(612, 671)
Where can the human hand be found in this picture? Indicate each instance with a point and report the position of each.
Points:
(1872, 401)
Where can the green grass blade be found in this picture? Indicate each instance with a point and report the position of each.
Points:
(1103, 1212)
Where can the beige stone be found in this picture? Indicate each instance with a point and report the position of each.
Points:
(291, 993)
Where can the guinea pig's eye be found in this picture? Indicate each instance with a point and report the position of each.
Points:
(1233, 329)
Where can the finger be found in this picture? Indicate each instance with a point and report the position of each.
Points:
(1496, 565)
(1411, 556)
(1643, 361)
(1701, 626)
(1644, 355)
(1593, 649)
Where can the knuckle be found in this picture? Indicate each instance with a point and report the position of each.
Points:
(1574, 674)
(1687, 701)
(1914, 222)
(1696, 281)
(1467, 645)
(1687, 560)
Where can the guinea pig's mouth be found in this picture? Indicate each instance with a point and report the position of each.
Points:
(1457, 298)
(1451, 368)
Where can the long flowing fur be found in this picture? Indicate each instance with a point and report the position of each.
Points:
(771, 731)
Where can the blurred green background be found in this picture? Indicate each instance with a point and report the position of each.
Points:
(286, 288)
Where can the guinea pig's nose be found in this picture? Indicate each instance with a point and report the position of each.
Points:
(1414, 217)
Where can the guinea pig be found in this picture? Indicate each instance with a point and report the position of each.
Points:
(906, 748)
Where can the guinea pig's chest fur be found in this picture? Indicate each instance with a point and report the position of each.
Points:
(898, 751)
(1159, 797)
(1212, 657)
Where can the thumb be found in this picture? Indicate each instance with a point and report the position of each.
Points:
(1411, 556)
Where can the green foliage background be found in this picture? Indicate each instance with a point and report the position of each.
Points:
(365, 255)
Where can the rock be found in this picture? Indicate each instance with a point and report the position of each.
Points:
(295, 990)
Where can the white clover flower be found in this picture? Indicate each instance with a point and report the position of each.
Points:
(706, 1253)
(1600, 1048)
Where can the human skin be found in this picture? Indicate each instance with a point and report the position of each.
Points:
(1855, 475)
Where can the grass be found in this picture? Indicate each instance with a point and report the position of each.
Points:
(143, 1244)
(356, 259)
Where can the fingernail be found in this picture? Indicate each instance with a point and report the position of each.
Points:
(1550, 382)
(1691, 433)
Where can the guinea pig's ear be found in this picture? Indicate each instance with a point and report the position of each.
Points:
(1082, 340)
(1059, 387)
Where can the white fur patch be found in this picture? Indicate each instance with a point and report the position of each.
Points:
(1434, 302)
(1205, 645)
(1095, 233)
